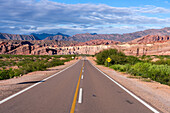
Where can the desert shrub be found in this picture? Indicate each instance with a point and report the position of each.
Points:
(29, 63)
(122, 68)
(162, 61)
(116, 56)
(55, 62)
(4, 74)
(132, 60)
(102, 56)
(139, 69)
(160, 73)
(162, 56)
(118, 59)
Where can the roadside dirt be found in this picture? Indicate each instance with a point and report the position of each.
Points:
(154, 93)
(11, 86)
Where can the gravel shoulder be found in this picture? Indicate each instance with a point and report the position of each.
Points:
(11, 86)
(154, 93)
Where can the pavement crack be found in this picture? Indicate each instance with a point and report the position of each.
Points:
(128, 101)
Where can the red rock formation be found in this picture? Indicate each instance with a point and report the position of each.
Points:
(148, 45)
(31, 47)
(98, 42)
(151, 39)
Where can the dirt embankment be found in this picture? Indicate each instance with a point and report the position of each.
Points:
(154, 93)
(11, 86)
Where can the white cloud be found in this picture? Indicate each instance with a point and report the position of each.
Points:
(48, 15)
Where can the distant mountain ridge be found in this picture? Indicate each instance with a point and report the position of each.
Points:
(17, 37)
(122, 38)
(59, 36)
(43, 36)
(88, 36)
(116, 37)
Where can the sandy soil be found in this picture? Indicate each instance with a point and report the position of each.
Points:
(154, 93)
(11, 86)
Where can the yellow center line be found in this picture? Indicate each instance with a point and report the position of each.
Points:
(76, 92)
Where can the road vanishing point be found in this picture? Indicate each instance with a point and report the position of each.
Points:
(79, 88)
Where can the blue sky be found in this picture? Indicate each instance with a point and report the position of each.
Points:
(82, 16)
(120, 3)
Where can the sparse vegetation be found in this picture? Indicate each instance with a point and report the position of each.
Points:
(28, 63)
(158, 71)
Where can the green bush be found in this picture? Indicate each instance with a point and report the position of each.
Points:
(162, 61)
(159, 73)
(118, 59)
(102, 56)
(132, 60)
(55, 62)
(29, 63)
(122, 68)
(116, 56)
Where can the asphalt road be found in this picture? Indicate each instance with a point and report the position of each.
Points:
(80, 89)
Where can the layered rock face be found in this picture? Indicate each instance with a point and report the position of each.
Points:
(148, 45)
(98, 42)
(31, 47)
(91, 50)
(151, 39)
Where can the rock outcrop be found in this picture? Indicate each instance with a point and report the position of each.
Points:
(151, 39)
(98, 42)
(31, 47)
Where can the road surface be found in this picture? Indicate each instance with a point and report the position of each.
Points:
(81, 88)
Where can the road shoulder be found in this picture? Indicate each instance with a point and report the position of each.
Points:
(156, 94)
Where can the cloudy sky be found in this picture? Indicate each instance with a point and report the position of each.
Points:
(82, 16)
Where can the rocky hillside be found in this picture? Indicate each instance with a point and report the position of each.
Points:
(116, 37)
(151, 39)
(17, 37)
(98, 42)
(33, 47)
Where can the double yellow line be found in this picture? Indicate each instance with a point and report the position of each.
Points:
(76, 92)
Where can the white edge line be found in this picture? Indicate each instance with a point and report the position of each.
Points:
(81, 76)
(80, 96)
(14, 95)
(133, 95)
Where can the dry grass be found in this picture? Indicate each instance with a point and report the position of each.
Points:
(136, 77)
